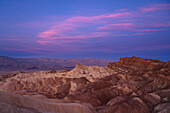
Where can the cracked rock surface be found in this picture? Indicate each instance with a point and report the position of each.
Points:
(132, 85)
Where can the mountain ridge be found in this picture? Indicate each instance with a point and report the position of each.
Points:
(10, 63)
(131, 85)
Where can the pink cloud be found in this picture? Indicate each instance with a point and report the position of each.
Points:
(103, 25)
(152, 24)
(99, 34)
(44, 42)
(121, 25)
(71, 37)
(133, 27)
(91, 35)
(117, 27)
(94, 18)
(156, 7)
(68, 30)
(121, 10)
(143, 30)
(161, 24)
(150, 9)
(10, 39)
(137, 34)
(134, 34)
(59, 31)
(47, 34)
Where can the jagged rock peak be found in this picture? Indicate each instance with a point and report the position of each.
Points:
(138, 59)
(136, 63)
(90, 72)
(78, 65)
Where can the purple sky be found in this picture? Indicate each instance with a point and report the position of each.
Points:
(107, 29)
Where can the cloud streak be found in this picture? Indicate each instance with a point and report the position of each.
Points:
(156, 7)
(96, 18)
(122, 22)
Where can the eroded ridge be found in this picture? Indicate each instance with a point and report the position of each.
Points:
(132, 85)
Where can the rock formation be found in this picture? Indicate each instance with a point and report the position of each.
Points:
(11, 103)
(132, 85)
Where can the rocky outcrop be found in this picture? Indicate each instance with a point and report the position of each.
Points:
(132, 85)
(92, 73)
(139, 65)
(25, 104)
(5, 76)
(56, 83)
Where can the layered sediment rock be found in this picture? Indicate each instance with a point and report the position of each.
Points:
(132, 85)
(26, 104)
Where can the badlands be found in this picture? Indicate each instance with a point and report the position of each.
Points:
(132, 85)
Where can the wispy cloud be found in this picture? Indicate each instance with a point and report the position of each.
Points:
(95, 18)
(156, 7)
(108, 24)
(117, 27)
(165, 24)
(10, 39)
(147, 30)
(44, 42)
(69, 28)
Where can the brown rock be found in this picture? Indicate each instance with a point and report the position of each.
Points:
(11, 102)
(132, 85)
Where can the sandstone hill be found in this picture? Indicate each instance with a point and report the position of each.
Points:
(132, 85)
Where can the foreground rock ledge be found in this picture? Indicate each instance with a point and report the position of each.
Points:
(132, 85)
(12, 103)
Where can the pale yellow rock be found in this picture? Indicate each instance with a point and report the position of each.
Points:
(90, 72)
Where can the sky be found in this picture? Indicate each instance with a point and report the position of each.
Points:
(102, 29)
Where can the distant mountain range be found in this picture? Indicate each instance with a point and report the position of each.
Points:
(9, 63)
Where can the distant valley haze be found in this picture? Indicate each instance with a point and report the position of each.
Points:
(33, 64)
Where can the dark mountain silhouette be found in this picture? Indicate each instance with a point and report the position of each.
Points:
(9, 63)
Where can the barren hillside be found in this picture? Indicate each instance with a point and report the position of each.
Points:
(132, 85)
